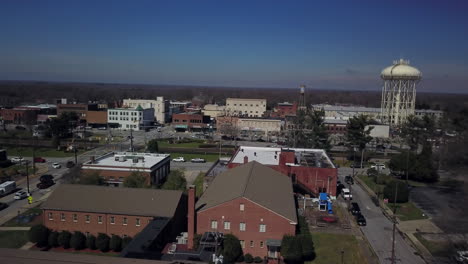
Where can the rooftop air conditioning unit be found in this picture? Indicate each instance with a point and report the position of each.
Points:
(122, 158)
(135, 160)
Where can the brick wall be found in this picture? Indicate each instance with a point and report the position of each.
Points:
(253, 215)
(94, 227)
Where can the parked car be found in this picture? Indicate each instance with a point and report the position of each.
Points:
(56, 165)
(355, 210)
(349, 179)
(17, 159)
(102, 128)
(45, 184)
(46, 177)
(346, 194)
(20, 128)
(361, 220)
(20, 195)
(70, 164)
(378, 167)
(179, 159)
(198, 160)
(3, 206)
(39, 160)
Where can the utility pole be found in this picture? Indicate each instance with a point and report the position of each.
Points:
(394, 223)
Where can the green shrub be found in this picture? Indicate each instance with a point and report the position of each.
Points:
(383, 179)
(115, 243)
(39, 234)
(102, 242)
(64, 239)
(307, 245)
(291, 249)
(248, 258)
(53, 239)
(240, 258)
(91, 242)
(231, 248)
(258, 260)
(78, 240)
(126, 241)
(402, 192)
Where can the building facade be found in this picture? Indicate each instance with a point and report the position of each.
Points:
(18, 116)
(96, 118)
(79, 109)
(284, 109)
(246, 107)
(108, 210)
(214, 110)
(115, 167)
(191, 121)
(130, 118)
(161, 107)
(252, 202)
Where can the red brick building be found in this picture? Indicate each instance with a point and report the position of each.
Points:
(336, 126)
(253, 202)
(284, 109)
(309, 169)
(112, 211)
(190, 121)
(115, 167)
(19, 116)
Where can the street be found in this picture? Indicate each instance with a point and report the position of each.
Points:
(379, 228)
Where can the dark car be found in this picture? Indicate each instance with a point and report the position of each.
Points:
(361, 220)
(70, 164)
(355, 210)
(46, 177)
(349, 179)
(45, 184)
(3, 206)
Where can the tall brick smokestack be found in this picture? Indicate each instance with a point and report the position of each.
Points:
(191, 216)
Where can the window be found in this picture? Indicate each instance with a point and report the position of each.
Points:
(261, 244)
(87, 218)
(75, 218)
(99, 219)
(121, 179)
(125, 221)
(214, 224)
(241, 207)
(262, 228)
(227, 225)
(51, 217)
(242, 242)
(251, 243)
(112, 220)
(242, 226)
(62, 217)
(87, 234)
(138, 222)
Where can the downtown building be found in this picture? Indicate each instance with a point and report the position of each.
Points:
(130, 118)
(115, 167)
(253, 202)
(160, 106)
(245, 107)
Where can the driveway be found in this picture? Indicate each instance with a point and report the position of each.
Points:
(379, 228)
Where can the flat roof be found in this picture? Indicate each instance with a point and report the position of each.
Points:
(126, 160)
(270, 156)
(247, 99)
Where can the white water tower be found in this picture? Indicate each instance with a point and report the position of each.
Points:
(399, 92)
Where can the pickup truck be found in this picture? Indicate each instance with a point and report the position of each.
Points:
(346, 194)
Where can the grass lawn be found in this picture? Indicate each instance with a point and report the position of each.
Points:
(440, 249)
(199, 184)
(13, 239)
(377, 188)
(408, 211)
(208, 157)
(328, 249)
(165, 144)
(37, 219)
(40, 152)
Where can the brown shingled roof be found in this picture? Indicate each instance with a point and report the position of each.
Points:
(256, 182)
(102, 199)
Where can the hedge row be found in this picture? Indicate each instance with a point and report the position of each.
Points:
(44, 237)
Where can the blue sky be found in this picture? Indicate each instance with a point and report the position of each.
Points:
(324, 44)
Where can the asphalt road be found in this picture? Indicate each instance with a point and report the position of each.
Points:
(379, 228)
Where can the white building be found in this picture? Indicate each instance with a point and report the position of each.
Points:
(214, 110)
(245, 107)
(129, 118)
(161, 107)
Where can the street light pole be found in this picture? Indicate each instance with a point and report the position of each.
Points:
(394, 222)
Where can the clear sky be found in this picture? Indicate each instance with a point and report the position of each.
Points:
(324, 44)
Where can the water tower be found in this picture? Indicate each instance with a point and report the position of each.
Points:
(398, 92)
(302, 102)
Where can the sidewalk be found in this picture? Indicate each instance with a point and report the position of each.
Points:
(23, 209)
(15, 228)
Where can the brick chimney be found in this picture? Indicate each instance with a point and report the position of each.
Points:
(191, 216)
(246, 159)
